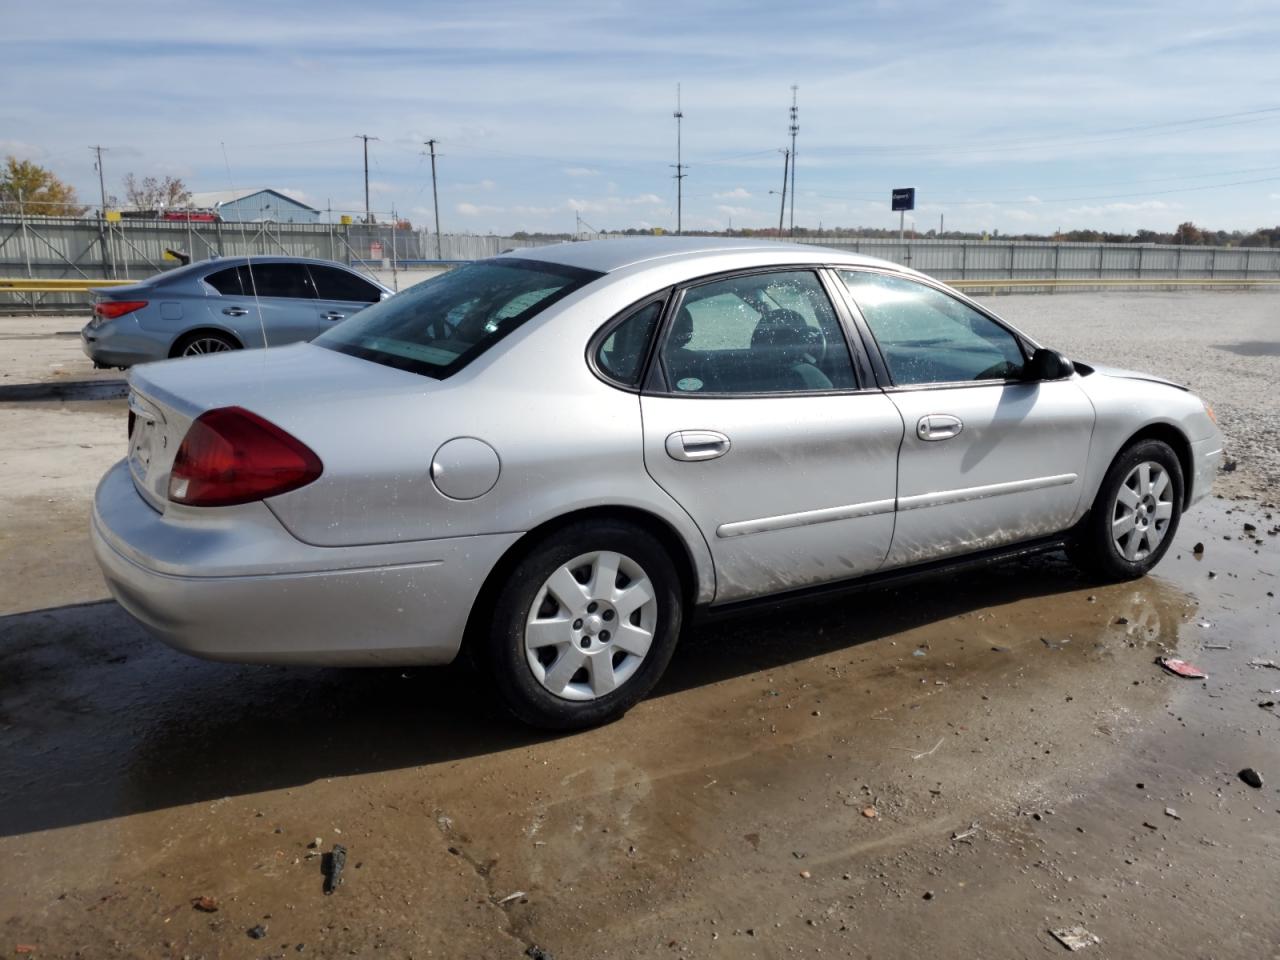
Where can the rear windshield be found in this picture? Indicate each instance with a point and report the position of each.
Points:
(439, 326)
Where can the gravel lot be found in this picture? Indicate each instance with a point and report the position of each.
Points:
(1224, 346)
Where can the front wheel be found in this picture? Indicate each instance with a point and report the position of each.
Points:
(584, 625)
(1135, 515)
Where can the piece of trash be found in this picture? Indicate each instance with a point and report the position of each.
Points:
(518, 895)
(205, 904)
(918, 653)
(1198, 549)
(1181, 668)
(257, 933)
(1252, 777)
(966, 835)
(1170, 812)
(1055, 644)
(537, 953)
(332, 867)
(1122, 621)
(1075, 938)
(1217, 646)
(315, 844)
(1267, 704)
(870, 813)
(1259, 662)
(919, 756)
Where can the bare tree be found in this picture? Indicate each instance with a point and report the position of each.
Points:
(151, 193)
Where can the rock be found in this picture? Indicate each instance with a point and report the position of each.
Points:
(1122, 621)
(332, 867)
(1252, 777)
(257, 933)
(928, 895)
(870, 813)
(1198, 549)
(537, 953)
(1170, 812)
(805, 874)
(205, 904)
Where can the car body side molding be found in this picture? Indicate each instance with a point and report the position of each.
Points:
(965, 494)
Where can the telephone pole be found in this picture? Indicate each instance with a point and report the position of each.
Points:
(366, 138)
(102, 184)
(435, 200)
(679, 165)
(102, 213)
(782, 212)
(795, 128)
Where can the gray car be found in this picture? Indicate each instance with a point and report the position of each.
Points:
(223, 304)
(553, 458)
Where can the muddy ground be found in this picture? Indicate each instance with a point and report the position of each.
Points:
(952, 769)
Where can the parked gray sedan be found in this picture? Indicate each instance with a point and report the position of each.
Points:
(553, 458)
(223, 304)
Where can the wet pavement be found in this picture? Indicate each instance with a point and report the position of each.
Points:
(952, 768)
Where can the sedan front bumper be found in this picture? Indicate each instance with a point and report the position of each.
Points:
(391, 604)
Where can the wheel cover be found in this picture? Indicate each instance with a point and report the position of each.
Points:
(591, 625)
(205, 345)
(1142, 511)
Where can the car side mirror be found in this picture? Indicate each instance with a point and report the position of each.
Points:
(1047, 364)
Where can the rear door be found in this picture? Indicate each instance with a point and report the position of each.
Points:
(755, 422)
(275, 299)
(340, 293)
(987, 457)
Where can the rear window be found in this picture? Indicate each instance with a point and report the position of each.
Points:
(334, 284)
(265, 279)
(439, 326)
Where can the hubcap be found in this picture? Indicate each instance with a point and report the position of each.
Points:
(205, 345)
(591, 625)
(1142, 510)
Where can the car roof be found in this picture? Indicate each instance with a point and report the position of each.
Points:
(607, 256)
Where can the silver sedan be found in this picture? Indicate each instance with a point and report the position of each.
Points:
(228, 303)
(553, 458)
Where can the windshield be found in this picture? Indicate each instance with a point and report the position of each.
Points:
(439, 326)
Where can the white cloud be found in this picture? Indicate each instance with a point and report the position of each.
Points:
(581, 172)
(488, 186)
(476, 210)
(737, 193)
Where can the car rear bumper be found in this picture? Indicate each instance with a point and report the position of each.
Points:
(106, 350)
(355, 610)
(1206, 456)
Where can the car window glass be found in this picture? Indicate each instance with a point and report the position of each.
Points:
(438, 326)
(927, 336)
(227, 282)
(762, 333)
(333, 283)
(621, 356)
(279, 280)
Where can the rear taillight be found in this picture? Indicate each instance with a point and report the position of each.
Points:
(110, 309)
(233, 456)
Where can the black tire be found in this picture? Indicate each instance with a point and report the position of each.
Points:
(1093, 548)
(224, 341)
(500, 648)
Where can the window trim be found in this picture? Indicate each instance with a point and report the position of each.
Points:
(618, 319)
(657, 382)
(1025, 344)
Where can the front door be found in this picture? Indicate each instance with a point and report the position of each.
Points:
(987, 458)
(763, 434)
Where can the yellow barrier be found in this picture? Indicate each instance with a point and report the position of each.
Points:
(49, 285)
(1050, 282)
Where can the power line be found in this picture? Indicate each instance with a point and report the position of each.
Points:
(680, 174)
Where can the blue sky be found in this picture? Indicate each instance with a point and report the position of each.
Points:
(1013, 116)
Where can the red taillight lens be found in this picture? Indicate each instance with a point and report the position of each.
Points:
(233, 456)
(110, 309)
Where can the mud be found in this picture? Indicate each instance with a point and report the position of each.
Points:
(1008, 732)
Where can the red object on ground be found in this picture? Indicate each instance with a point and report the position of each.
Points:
(1181, 668)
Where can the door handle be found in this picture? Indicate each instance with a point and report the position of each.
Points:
(332, 315)
(694, 445)
(938, 426)
(234, 311)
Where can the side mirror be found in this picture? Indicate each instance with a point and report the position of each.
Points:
(1047, 364)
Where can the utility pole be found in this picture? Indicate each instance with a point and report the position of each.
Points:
(435, 200)
(782, 212)
(102, 212)
(795, 128)
(942, 219)
(366, 138)
(680, 174)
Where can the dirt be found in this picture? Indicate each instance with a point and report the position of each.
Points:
(950, 769)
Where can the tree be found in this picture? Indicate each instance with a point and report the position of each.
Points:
(150, 193)
(1188, 234)
(36, 191)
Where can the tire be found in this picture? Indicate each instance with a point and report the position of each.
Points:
(200, 342)
(1135, 515)
(564, 648)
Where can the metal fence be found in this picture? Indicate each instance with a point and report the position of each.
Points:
(91, 249)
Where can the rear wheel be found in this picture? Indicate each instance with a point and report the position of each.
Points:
(204, 341)
(584, 626)
(1135, 516)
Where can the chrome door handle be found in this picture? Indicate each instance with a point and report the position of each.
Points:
(694, 445)
(234, 311)
(333, 315)
(938, 426)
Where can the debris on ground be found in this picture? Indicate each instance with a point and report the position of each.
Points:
(1170, 812)
(257, 933)
(518, 895)
(1198, 549)
(805, 874)
(1252, 777)
(928, 895)
(25, 948)
(537, 953)
(1181, 668)
(921, 756)
(205, 904)
(870, 813)
(966, 835)
(1075, 938)
(1259, 662)
(1122, 621)
(332, 867)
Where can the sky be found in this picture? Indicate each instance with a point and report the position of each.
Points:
(1015, 116)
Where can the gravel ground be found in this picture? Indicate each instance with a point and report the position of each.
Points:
(1224, 346)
